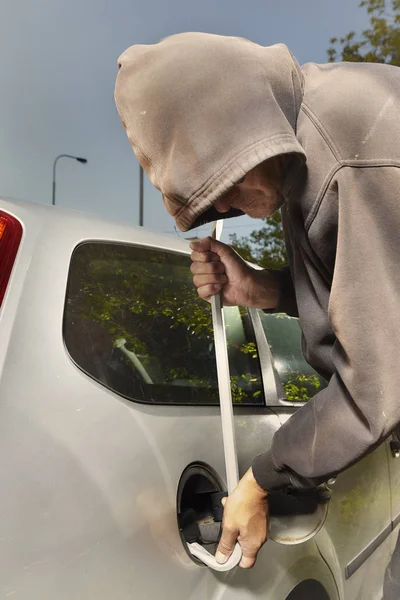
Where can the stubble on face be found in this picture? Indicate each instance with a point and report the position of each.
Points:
(260, 195)
(258, 204)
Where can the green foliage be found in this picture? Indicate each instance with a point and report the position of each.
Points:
(380, 43)
(249, 348)
(145, 303)
(300, 387)
(265, 247)
(124, 294)
(239, 385)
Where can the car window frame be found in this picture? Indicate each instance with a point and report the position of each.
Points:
(262, 342)
(113, 242)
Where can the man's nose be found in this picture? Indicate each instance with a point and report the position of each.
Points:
(222, 204)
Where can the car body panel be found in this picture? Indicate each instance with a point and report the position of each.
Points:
(394, 475)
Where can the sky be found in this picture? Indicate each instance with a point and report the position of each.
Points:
(58, 64)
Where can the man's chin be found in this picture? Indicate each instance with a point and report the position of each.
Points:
(260, 215)
(257, 216)
(266, 211)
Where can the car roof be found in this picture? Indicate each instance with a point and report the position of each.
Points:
(53, 216)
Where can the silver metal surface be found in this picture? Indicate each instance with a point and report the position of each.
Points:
(270, 392)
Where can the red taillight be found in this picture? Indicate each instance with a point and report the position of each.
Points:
(10, 237)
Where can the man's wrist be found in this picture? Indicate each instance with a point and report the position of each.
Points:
(252, 482)
(265, 289)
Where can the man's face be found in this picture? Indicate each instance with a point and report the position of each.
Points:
(259, 195)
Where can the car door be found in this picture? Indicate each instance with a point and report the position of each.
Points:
(393, 451)
(356, 536)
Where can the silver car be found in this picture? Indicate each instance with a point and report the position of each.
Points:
(110, 431)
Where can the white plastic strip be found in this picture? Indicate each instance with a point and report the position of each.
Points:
(227, 420)
(224, 383)
(209, 559)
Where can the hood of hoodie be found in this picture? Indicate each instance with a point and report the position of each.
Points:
(201, 110)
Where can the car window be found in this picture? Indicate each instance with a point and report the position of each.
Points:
(134, 322)
(300, 381)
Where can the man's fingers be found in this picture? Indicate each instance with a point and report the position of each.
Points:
(204, 257)
(206, 291)
(226, 545)
(216, 279)
(250, 545)
(208, 244)
(201, 245)
(245, 521)
(200, 268)
(247, 561)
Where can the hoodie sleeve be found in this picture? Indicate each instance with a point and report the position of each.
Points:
(287, 297)
(361, 405)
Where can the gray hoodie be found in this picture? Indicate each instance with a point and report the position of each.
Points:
(201, 110)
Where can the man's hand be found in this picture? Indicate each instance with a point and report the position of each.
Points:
(216, 266)
(246, 521)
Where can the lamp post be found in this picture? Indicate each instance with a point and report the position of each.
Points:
(141, 195)
(78, 158)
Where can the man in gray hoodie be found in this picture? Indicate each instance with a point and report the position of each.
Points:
(223, 127)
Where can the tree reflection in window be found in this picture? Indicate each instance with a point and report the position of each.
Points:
(134, 322)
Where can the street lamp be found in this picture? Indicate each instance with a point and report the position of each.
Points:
(141, 195)
(79, 159)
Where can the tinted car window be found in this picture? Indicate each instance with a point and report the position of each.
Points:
(299, 380)
(134, 322)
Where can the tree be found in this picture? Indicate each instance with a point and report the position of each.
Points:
(380, 43)
(265, 247)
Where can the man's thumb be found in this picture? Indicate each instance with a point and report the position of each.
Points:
(219, 248)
